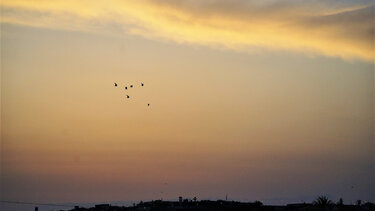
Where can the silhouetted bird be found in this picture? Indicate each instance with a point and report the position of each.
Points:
(142, 84)
(115, 84)
(131, 86)
(127, 96)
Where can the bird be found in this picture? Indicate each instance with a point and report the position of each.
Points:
(131, 86)
(142, 84)
(127, 96)
(115, 84)
(126, 87)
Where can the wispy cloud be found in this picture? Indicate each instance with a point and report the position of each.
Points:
(333, 28)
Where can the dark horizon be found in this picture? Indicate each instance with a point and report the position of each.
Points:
(321, 202)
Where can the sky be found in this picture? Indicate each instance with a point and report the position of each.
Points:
(258, 100)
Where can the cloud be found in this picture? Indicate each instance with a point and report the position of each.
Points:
(333, 28)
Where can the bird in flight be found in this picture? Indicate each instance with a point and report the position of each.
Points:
(130, 86)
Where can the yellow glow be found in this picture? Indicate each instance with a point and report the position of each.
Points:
(288, 30)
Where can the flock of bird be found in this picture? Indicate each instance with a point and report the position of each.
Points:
(131, 86)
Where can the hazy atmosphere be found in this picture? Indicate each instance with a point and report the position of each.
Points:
(270, 101)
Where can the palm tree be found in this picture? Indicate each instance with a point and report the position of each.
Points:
(322, 201)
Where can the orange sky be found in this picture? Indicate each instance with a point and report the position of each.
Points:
(260, 101)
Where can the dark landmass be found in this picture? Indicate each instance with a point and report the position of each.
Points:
(187, 205)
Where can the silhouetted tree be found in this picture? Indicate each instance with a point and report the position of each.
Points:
(258, 203)
(358, 202)
(322, 201)
(340, 202)
(195, 199)
(370, 205)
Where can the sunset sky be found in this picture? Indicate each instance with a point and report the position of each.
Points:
(268, 100)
